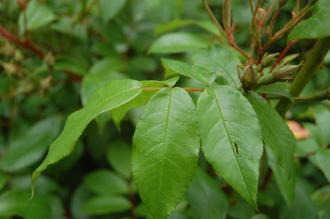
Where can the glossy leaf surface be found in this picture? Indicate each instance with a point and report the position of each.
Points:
(231, 138)
(201, 74)
(280, 145)
(165, 150)
(113, 95)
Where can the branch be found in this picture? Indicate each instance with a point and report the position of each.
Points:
(321, 95)
(288, 26)
(307, 71)
(283, 53)
(213, 18)
(21, 42)
(229, 33)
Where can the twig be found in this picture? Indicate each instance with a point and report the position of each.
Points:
(321, 95)
(288, 26)
(283, 53)
(313, 59)
(230, 37)
(213, 18)
(226, 13)
(21, 42)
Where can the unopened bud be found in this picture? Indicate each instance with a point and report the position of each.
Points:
(285, 71)
(268, 59)
(249, 78)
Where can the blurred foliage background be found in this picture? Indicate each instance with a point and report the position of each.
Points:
(54, 53)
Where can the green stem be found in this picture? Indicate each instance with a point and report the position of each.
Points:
(307, 71)
(321, 95)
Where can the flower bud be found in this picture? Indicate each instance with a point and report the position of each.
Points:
(249, 77)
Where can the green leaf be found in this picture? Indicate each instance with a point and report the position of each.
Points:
(323, 161)
(176, 24)
(108, 97)
(17, 203)
(322, 117)
(105, 182)
(110, 8)
(3, 180)
(302, 206)
(231, 138)
(321, 199)
(280, 145)
(101, 205)
(315, 26)
(177, 43)
(99, 75)
(170, 82)
(276, 89)
(119, 156)
(30, 147)
(173, 67)
(119, 113)
(165, 151)
(37, 15)
(206, 198)
(223, 61)
(71, 64)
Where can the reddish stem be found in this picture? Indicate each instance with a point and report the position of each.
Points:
(21, 42)
(283, 53)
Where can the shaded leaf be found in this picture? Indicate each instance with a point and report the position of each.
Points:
(106, 205)
(231, 138)
(206, 198)
(177, 43)
(18, 203)
(323, 161)
(119, 156)
(105, 182)
(110, 8)
(322, 117)
(37, 15)
(30, 147)
(276, 89)
(3, 180)
(176, 24)
(165, 150)
(321, 199)
(280, 145)
(73, 65)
